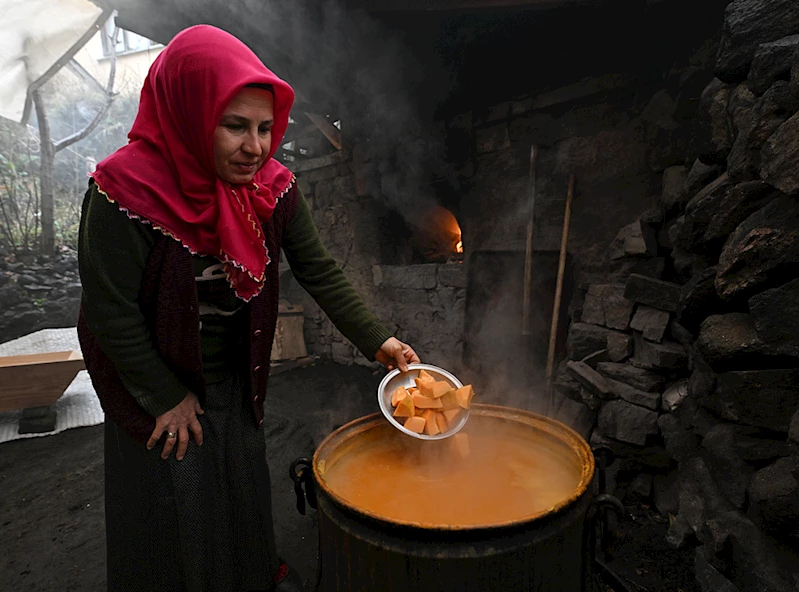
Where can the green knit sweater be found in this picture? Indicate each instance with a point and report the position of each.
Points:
(113, 252)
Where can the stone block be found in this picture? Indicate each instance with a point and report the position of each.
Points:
(619, 346)
(410, 277)
(758, 446)
(741, 201)
(627, 422)
(666, 492)
(492, 139)
(689, 236)
(729, 471)
(775, 314)
(763, 249)
(452, 275)
(700, 176)
(584, 339)
(729, 340)
(793, 429)
(714, 128)
(589, 378)
(38, 420)
(651, 322)
(681, 443)
(596, 358)
(633, 395)
(654, 267)
(779, 157)
(659, 356)
(774, 495)
(698, 299)
(577, 416)
(635, 377)
(605, 305)
(768, 113)
(675, 395)
(761, 398)
(641, 486)
(708, 577)
(653, 292)
(673, 187)
(652, 457)
(747, 25)
(323, 174)
(679, 333)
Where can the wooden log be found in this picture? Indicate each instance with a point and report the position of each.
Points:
(330, 131)
(553, 330)
(289, 341)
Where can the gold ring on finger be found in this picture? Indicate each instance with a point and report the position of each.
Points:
(171, 435)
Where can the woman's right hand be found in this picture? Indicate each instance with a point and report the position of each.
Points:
(176, 423)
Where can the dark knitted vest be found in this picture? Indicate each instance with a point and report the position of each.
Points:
(168, 301)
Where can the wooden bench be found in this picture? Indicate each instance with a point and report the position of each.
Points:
(34, 382)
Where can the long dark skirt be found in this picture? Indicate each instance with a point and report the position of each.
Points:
(201, 524)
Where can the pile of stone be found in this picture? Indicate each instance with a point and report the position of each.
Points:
(691, 365)
(38, 293)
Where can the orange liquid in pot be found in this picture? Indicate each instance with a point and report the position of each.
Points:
(503, 478)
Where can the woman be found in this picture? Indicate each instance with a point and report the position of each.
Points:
(179, 239)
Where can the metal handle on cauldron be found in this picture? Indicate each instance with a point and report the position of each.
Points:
(301, 472)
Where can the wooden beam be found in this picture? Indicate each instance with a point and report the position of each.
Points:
(330, 131)
(448, 5)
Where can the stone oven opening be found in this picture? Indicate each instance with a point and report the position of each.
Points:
(429, 233)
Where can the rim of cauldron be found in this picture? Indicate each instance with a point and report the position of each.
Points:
(578, 444)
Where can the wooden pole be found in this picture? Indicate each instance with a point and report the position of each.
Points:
(330, 131)
(528, 253)
(553, 330)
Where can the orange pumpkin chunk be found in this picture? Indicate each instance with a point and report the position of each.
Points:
(464, 396)
(451, 414)
(441, 422)
(426, 402)
(415, 424)
(405, 408)
(398, 395)
(430, 424)
(434, 389)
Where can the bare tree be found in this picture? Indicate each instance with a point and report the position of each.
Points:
(49, 149)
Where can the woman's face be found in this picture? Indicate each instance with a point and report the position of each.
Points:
(243, 138)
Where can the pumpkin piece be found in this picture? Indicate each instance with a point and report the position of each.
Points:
(413, 391)
(405, 408)
(451, 414)
(441, 422)
(449, 400)
(435, 389)
(415, 424)
(398, 395)
(430, 424)
(459, 444)
(424, 376)
(464, 396)
(426, 402)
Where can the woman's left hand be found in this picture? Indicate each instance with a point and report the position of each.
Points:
(393, 353)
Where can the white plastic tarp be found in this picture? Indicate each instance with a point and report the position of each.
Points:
(37, 37)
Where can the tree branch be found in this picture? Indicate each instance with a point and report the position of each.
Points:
(109, 98)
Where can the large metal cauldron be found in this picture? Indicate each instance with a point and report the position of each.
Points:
(547, 551)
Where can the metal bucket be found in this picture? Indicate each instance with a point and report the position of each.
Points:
(548, 550)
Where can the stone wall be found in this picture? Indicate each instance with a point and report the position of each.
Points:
(38, 293)
(690, 364)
